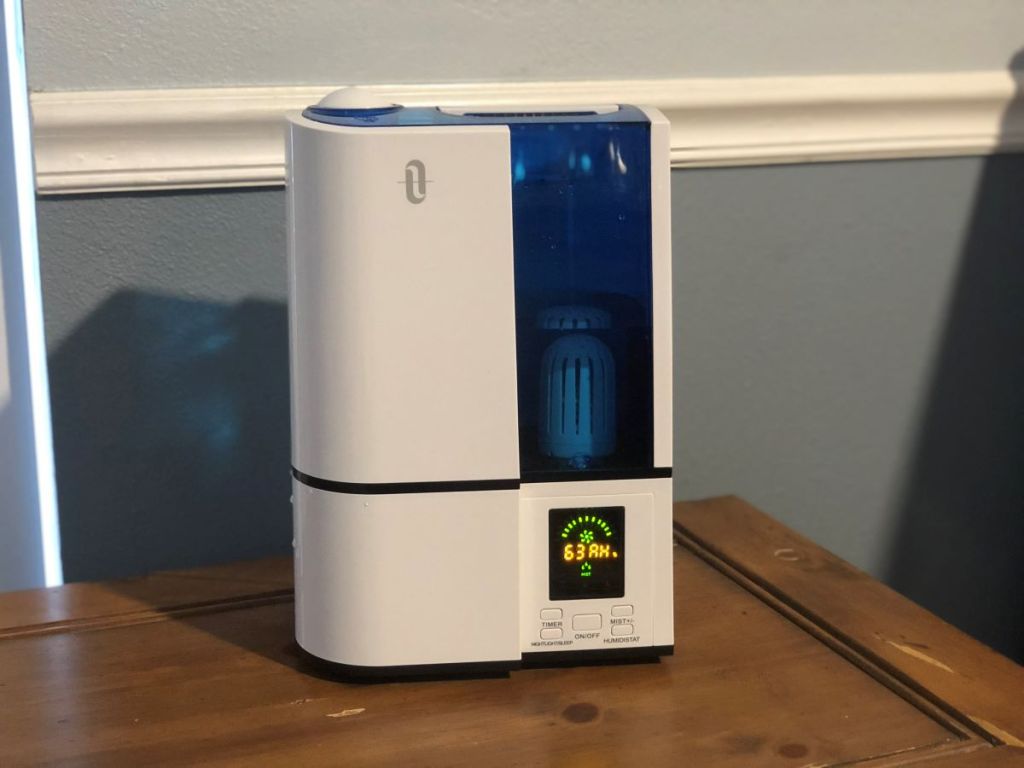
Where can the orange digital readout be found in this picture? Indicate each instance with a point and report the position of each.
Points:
(593, 551)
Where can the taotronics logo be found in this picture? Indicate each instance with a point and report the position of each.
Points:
(415, 182)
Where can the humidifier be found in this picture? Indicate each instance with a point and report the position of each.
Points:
(481, 362)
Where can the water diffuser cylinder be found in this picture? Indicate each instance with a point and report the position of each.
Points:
(577, 398)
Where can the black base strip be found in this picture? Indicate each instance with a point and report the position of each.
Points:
(353, 673)
(438, 486)
(647, 653)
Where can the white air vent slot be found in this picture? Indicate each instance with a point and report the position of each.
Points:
(529, 111)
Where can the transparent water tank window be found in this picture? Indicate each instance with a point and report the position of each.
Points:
(581, 228)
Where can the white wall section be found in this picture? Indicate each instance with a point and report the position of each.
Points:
(101, 141)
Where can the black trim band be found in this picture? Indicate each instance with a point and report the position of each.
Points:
(582, 476)
(476, 669)
(439, 486)
(452, 486)
(596, 656)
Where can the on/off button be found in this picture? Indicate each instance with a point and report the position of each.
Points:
(586, 621)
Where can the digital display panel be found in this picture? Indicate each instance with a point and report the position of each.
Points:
(586, 553)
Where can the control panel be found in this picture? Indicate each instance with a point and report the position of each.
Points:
(586, 572)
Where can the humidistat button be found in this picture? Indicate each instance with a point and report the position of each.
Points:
(622, 629)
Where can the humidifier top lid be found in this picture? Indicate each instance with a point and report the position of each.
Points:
(361, 106)
(356, 98)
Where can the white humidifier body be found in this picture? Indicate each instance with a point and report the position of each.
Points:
(481, 357)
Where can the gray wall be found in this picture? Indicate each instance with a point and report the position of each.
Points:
(96, 44)
(810, 306)
(847, 357)
(167, 334)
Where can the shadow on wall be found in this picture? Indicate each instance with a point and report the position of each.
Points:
(171, 434)
(959, 547)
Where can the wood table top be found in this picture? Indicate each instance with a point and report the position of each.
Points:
(785, 656)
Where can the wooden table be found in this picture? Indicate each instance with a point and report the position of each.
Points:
(786, 656)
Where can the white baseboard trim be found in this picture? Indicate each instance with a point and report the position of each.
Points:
(108, 141)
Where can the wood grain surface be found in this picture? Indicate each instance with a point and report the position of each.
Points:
(909, 643)
(47, 610)
(782, 659)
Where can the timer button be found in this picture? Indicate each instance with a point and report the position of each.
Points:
(586, 621)
(622, 610)
(549, 614)
(622, 629)
(550, 634)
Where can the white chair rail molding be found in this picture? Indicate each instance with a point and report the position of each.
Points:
(105, 141)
